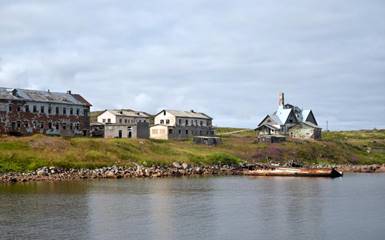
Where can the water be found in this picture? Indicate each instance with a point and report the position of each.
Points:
(351, 207)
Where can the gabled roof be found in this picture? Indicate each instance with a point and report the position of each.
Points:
(129, 113)
(283, 114)
(187, 114)
(42, 96)
(305, 114)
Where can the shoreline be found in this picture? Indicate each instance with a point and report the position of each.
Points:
(53, 174)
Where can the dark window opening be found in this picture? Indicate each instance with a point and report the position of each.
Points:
(10, 108)
(77, 111)
(57, 110)
(49, 110)
(18, 108)
(71, 111)
(26, 108)
(180, 131)
(18, 124)
(64, 111)
(162, 121)
(42, 109)
(34, 108)
(170, 131)
(186, 122)
(186, 131)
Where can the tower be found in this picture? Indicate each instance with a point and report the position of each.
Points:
(281, 99)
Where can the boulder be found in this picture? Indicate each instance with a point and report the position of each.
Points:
(176, 165)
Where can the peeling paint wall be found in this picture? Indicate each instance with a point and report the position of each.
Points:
(24, 118)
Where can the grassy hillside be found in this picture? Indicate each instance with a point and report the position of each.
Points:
(29, 153)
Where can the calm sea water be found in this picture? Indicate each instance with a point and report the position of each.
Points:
(352, 207)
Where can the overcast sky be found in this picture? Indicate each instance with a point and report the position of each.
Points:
(228, 59)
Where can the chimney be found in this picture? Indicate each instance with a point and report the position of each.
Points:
(281, 99)
(192, 110)
(69, 92)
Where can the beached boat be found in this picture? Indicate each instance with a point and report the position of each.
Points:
(295, 172)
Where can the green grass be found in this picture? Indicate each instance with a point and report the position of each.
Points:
(30, 153)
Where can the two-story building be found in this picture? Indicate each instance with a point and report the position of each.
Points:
(173, 124)
(24, 112)
(122, 123)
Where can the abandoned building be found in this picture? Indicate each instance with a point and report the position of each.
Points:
(123, 116)
(290, 121)
(173, 124)
(123, 123)
(24, 112)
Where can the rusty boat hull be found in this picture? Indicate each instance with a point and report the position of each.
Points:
(296, 172)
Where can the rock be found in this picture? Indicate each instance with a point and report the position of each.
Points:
(110, 174)
(176, 165)
(185, 166)
(42, 172)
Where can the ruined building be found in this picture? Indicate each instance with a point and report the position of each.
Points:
(24, 112)
(289, 121)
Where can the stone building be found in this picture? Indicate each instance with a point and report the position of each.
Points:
(173, 124)
(289, 121)
(24, 112)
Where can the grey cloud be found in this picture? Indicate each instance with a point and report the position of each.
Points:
(229, 59)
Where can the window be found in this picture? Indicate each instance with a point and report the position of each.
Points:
(64, 125)
(85, 112)
(109, 120)
(50, 125)
(180, 132)
(10, 108)
(162, 121)
(125, 121)
(41, 125)
(71, 111)
(64, 111)
(187, 132)
(186, 122)
(120, 120)
(201, 123)
(26, 124)
(170, 131)
(164, 113)
(42, 109)
(18, 108)
(168, 121)
(49, 109)
(18, 124)
(57, 112)
(180, 121)
(34, 109)
(104, 120)
(26, 108)
(77, 111)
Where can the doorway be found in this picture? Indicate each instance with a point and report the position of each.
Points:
(120, 133)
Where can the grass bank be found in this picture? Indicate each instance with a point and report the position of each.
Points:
(30, 153)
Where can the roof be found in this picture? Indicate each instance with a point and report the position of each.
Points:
(308, 124)
(129, 113)
(268, 126)
(188, 114)
(42, 96)
(282, 114)
(305, 114)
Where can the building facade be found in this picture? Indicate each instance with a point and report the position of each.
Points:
(122, 123)
(24, 112)
(172, 124)
(290, 121)
(123, 116)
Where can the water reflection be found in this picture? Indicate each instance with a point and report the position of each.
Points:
(196, 208)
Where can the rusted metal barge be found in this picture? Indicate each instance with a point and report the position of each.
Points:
(295, 172)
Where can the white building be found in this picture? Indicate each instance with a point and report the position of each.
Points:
(123, 116)
(173, 124)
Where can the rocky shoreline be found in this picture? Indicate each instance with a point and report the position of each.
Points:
(175, 170)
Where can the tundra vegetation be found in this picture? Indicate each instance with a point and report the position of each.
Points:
(18, 154)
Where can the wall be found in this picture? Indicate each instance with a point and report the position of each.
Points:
(159, 132)
(303, 131)
(167, 116)
(106, 115)
(18, 120)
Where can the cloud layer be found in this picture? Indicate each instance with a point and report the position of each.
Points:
(226, 58)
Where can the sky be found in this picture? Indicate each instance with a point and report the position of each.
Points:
(229, 59)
